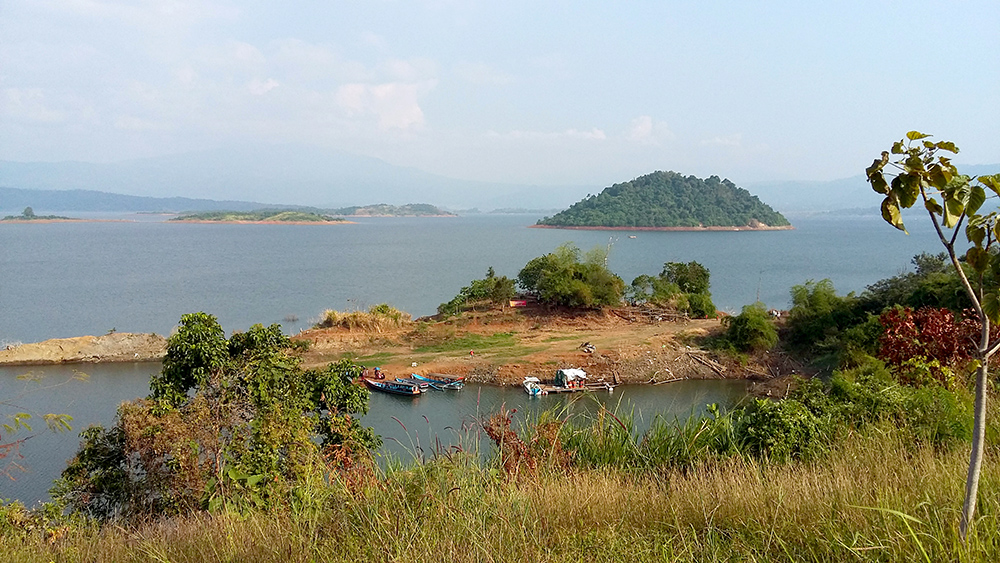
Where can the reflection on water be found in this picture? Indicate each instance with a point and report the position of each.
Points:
(410, 427)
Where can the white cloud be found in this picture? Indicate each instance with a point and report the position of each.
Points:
(134, 123)
(594, 134)
(29, 104)
(735, 140)
(645, 131)
(481, 74)
(258, 88)
(394, 104)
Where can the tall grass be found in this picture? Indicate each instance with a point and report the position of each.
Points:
(377, 318)
(873, 498)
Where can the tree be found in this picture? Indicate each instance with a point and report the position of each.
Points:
(924, 174)
(28, 213)
(560, 278)
(228, 422)
(690, 278)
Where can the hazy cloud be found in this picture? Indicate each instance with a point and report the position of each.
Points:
(482, 74)
(395, 105)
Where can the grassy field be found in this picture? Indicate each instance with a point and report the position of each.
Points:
(875, 497)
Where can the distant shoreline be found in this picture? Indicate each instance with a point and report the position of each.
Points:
(207, 221)
(743, 228)
(69, 220)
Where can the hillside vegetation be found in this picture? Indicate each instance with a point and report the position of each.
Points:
(264, 215)
(669, 199)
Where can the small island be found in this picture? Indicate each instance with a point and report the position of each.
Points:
(386, 210)
(263, 216)
(670, 201)
(28, 215)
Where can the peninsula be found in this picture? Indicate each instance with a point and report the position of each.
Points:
(261, 217)
(670, 201)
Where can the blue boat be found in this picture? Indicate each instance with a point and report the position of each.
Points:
(440, 382)
(393, 387)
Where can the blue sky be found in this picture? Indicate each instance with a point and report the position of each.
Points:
(542, 92)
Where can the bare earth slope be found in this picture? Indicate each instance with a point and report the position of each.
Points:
(502, 348)
(114, 347)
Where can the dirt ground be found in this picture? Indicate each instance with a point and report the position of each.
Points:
(627, 348)
(114, 347)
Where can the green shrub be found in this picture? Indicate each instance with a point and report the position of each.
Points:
(779, 430)
(751, 330)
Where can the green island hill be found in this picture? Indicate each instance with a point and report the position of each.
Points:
(670, 201)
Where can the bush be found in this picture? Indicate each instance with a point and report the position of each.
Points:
(751, 330)
(234, 423)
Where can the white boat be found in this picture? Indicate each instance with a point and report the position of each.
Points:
(532, 386)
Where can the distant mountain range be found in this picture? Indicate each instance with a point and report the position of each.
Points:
(252, 177)
(285, 175)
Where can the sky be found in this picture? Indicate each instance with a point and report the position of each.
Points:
(532, 92)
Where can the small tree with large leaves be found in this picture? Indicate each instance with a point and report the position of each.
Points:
(924, 173)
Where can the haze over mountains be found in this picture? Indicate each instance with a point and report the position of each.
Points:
(287, 175)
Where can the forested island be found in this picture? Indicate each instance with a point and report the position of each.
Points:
(668, 200)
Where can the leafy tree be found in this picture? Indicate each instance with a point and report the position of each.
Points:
(560, 278)
(752, 330)
(690, 278)
(228, 422)
(493, 289)
(28, 213)
(951, 199)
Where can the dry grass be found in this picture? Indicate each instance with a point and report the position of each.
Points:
(847, 507)
(378, 318)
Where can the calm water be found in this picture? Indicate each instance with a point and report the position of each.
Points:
(411, 427)
(61, 280)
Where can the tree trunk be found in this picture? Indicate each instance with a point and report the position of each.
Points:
(976, 457)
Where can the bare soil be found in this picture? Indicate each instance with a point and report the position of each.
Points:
(114, 347)
(628, 347)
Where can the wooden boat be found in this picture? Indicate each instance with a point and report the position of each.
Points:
(423, 385)
(440, 382)
(393, 387)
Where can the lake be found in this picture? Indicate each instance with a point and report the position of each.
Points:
(71, 279)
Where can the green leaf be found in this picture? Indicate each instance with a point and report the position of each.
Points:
(254, 479)
(976, 199)
(907, 190)
(991, 306)
(975, 234)
(952, 211)
(978, 258)
(991, 182)
(890, 212)
(939, 176)
(933, 206)
(916, 135)
(877, 180)
(947, 146)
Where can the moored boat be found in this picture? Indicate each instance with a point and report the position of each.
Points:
(423, 385)
(533, 387)
(440, 381)
(393, 387)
